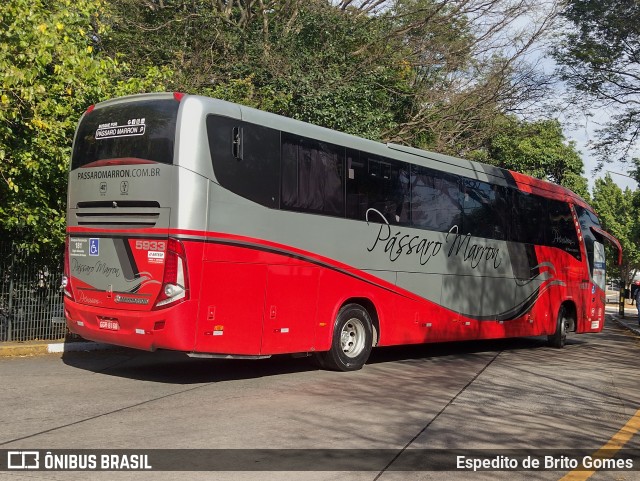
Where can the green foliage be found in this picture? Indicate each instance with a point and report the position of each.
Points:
(600, 60)
(52, 71)
(538, 149)
(415, 72)
(337, 74)
(618, 213)
(412, 72)
(309, 61)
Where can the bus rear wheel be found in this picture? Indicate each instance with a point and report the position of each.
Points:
(559, 338)
(352, 340)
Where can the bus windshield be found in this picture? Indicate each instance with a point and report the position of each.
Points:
(142, 130)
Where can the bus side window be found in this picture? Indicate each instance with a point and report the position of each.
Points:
(249, 168)
(486, 211)
(529, 216)
(561, 228)
(312, 176)
(377, 189)
(435, 200)
(357, 191)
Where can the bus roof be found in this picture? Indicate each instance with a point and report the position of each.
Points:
(412, 155)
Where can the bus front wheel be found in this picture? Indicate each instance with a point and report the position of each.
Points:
(559, 338)
(352, 340)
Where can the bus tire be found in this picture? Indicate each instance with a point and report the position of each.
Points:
(352, 340)
(559, 338)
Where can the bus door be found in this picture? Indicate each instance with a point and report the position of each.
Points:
(594, 302)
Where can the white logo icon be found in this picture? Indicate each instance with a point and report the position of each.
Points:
(23, 460)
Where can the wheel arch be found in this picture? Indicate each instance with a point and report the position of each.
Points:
(571, 312)
(371, 309)
(565, 322)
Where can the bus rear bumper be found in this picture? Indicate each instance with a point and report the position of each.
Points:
(147, 330)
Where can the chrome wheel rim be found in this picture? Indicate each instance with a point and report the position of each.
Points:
(352, 337)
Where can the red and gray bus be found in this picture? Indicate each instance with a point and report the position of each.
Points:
(208, 227)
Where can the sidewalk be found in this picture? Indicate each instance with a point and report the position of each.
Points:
(34, 348)
(630, 320)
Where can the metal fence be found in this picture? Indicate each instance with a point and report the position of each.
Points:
(31, 304)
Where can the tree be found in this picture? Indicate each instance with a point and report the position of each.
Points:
(436, 74)
(538, 149)
(307, 60)
(52, 72)
(600, 59)
(466, 83)
(428, 73)
(618, 213)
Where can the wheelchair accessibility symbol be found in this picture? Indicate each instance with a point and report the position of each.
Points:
(94, 247)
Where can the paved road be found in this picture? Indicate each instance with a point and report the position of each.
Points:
(482, 395)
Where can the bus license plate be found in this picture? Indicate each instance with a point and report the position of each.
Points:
(109, 325)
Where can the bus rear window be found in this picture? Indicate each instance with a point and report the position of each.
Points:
(142, 130)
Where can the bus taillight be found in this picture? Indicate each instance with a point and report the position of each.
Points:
(175, 282)
(66, 277)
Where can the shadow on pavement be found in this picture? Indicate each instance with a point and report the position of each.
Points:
(177, 368)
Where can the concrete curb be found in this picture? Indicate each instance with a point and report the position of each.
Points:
(626, 324)
(629, 322)
(16, 349)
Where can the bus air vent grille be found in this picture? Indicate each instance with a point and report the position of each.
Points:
(129, 214)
